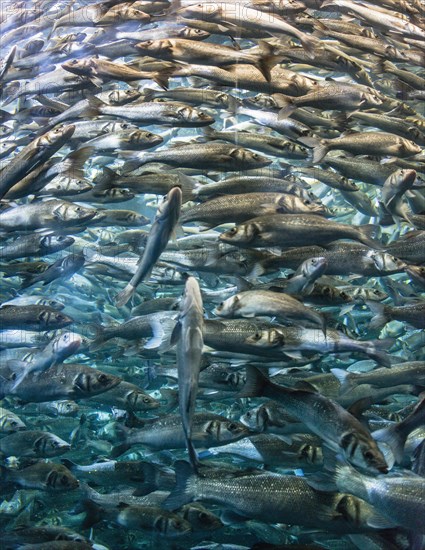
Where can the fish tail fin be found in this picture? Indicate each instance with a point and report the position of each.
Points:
(320, 149)
(162, 77)
(149, 94)
(267, 61)
(348, 479)
(309, 43)
(369, 235)
(118, 450)
(72, 467)
(257, 270)
(100, 337)
(94, 514)
(183, 491)
(394, 438)
(286, 105)
(27, 281)
(162, 329)
(255, 383)
(380, 356)
(124, 296)
(193, 455)
(344, 378)
(327, 3)
(380, 317)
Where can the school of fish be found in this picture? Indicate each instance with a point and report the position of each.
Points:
(212, 259)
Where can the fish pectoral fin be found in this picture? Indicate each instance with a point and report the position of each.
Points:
(176, 334)
(377, 521)
(230, 516)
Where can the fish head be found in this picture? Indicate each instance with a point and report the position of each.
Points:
(310, 454)
(66, 344)
(241, 235)
(386, 262)
(53, 445)
(80, 67)
(48, 317)
(56, 241)
(261, 101)
(314, 266)
(64, 184)
(141, 401)
(232, 431)
(67, 408)
(373, 294)
(187, 115)
(229, 307)
(60, 478)
(172, 525)
(362, 451)
(408, 147)
(243, 156)
(256, 419)
(201, 11)
(93, 383)
(53, 136)
(266, 338)
(200, 518)
(69, 213)
(164, 47)
(11, 423)
(122, 97)
(141, 137)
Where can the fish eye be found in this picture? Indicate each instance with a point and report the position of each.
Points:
(257, 336)
(307, 201)
(326, 291)
(232, 426)
(369, 455)
(376, 292)
(233, 230)
(248, 414)
(146, 400)
(102, 378)
(73, 62)
(64, 480)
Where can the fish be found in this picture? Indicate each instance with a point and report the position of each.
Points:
(344, 433)
(63, 381)
(188, 335)
(43, 476)
(162, 227)
(257, 496)
(33, 444)
(282, 307)
(385, 494)
(10, 422)
(167, 432)
(290, 230)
